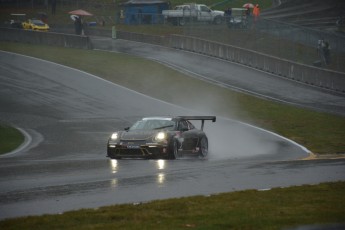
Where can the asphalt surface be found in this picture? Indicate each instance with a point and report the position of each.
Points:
(67, 116)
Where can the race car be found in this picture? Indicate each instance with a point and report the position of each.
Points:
(35, 24)
(160, 138)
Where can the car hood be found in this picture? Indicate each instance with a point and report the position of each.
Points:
(218, 12)
(138, 135)
(39, 23)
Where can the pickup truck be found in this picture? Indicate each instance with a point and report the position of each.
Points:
(193, 12)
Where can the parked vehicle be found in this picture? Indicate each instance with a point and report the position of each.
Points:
(35, 24)
(193, 12)
(19, 21)
(238, 18)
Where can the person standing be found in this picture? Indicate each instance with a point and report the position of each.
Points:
(256, 13)
(248, 18)
(247, 11)
(227, 14)
(78, 25)
(324, 51)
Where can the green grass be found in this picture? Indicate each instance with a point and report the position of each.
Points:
(321, 133)
(10, 138)
(274, 209)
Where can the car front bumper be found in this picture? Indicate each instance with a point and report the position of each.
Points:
(116, 151)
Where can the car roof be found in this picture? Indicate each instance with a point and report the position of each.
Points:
(240, 9)
(157, 118)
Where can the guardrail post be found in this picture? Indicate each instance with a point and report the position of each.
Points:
(113, 32)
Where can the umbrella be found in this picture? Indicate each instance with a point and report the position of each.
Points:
(80, 12)
(248, 5)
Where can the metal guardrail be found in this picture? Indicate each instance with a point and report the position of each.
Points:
(311, 75)
(45, 38)
(322, 78)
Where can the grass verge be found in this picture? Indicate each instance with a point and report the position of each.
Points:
(10, 138)
(321, 133)
(274, 209)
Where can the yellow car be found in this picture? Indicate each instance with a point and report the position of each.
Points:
(35, 24)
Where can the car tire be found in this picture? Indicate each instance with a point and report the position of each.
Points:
(203, 147)
(217, 20)
(174, 21)
(173, 150)
(114, 158)
(182, 21)
(111, 156)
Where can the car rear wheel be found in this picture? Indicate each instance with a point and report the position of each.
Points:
(182, 21)
(217, 20)
(203, 147)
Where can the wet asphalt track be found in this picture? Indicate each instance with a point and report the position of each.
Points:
(68, 116)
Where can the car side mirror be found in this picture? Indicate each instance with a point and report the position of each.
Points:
(126, 129)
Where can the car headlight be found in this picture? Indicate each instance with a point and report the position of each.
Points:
(160, 136)
(114, 136)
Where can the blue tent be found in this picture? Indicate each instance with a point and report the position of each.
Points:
(144, 11)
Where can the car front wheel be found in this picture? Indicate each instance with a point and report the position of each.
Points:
(173, 150)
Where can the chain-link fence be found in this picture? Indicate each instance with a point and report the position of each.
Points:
(286, 41)
(283, 40)
(278, 39)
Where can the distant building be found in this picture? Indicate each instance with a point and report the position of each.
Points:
(144, 11)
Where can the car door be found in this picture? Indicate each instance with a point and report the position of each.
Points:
(189, 135)
(205, 14)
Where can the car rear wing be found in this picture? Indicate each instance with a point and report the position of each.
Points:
(200, 118)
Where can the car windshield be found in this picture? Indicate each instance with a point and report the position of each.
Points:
(37, 22)
(182, 8)
(152, 124)
(238, 12)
